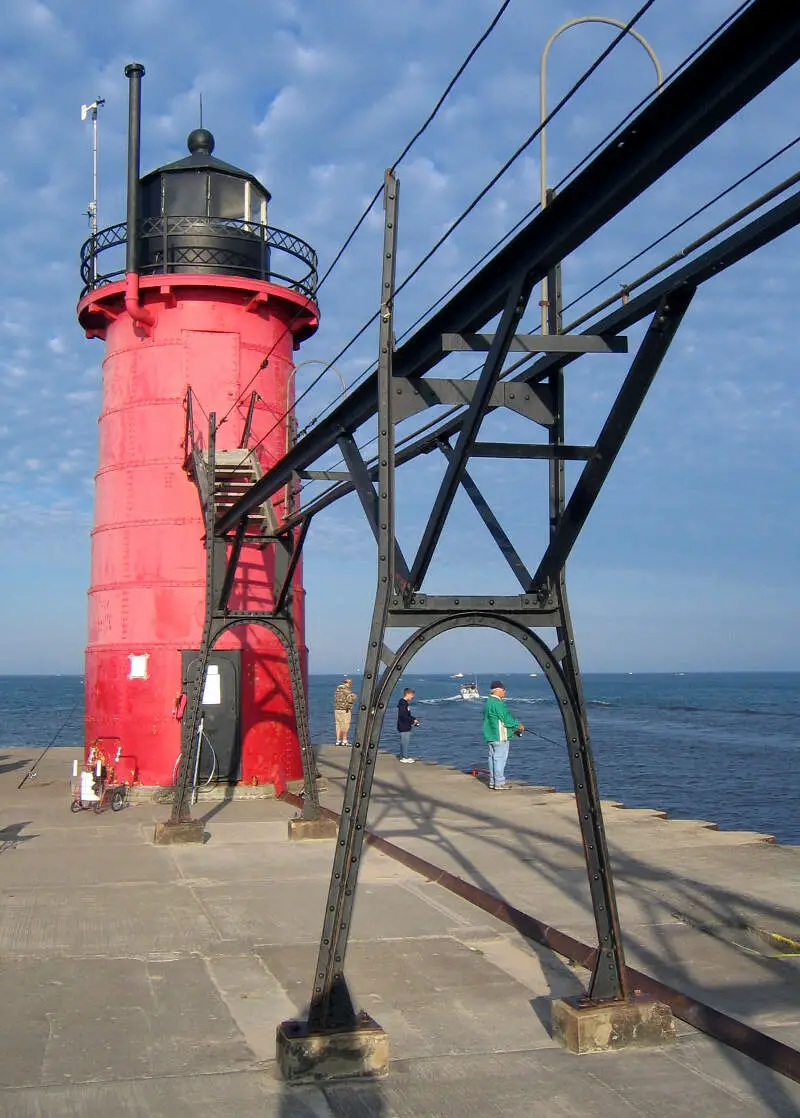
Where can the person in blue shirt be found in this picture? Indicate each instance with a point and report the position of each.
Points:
(497, 721)
(405, 724)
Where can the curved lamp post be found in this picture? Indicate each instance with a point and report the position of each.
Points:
(543, 109)
(290, 422)
(290, 381)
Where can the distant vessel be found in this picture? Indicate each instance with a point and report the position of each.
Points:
(470, 690)
(533, 675)
(457, 675)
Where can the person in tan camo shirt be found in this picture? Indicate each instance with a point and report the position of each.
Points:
(344, 699)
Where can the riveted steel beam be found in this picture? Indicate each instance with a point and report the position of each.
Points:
(537, 343)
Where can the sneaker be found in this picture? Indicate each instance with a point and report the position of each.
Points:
(407, 760)
(344, 743)
(492, 787)
(497, 787)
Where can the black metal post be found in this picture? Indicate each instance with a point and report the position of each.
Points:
(310, 790)
(331, 1005)
(194, 694)
(634, 388)
(298, 538)
(609, 974)
(248, 423)
(134, 72)
(233, 563)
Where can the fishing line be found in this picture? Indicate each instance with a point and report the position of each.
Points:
(32, 770)
(529, 730)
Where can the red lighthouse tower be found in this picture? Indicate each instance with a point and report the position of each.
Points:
(204, 318)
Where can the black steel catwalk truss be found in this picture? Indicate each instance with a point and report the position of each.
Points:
(755, 49)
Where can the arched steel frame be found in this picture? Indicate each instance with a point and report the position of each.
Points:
(330, 1003)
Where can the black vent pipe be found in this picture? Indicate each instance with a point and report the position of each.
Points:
(134, 72)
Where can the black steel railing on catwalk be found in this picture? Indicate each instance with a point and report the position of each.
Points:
(203, 245)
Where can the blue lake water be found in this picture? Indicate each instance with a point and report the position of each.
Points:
(722, 747)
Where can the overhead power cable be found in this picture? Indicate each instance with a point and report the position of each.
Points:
(653, 93)
(718, 30)
(484, 191)
(528, 359)
(523, 147)
(684, 221)
(368, 209)
(677, 70)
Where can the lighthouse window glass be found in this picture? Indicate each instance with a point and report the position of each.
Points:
(186, 194)
(227, 197)
(151, 198)
(258, 207)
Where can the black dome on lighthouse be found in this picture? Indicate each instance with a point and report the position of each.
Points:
(200, 143)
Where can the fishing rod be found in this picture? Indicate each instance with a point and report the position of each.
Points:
(32, 770)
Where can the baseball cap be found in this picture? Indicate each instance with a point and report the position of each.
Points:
(496, 683)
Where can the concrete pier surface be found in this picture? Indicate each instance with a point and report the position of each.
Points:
(140, 980)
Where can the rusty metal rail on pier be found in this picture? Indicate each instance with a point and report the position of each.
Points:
(720, 1026)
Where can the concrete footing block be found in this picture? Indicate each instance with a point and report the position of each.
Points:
(306, 829)
(188, 830)
(585, 1026)
(359, 1052)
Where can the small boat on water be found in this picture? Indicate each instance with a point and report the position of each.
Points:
(470, 690)
(457, 675)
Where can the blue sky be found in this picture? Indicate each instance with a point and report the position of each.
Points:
(688, 561)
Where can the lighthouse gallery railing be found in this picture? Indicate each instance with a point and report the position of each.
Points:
(227, 246)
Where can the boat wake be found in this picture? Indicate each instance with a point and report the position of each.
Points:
(444, 699)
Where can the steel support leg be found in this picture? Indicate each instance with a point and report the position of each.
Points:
(331, 1005)
(310, 790)
(609, 975)
(181, 802)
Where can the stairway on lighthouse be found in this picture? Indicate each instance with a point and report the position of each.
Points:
(235, 471)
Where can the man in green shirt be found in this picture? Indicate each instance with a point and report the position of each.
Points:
(497, 721)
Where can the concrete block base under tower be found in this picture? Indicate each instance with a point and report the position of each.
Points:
(583, 1026)
(304, 830)
(306, 1057)
(189, 830)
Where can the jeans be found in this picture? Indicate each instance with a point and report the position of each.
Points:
(405, 741)
(498, 755)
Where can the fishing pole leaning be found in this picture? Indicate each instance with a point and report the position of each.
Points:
(32, 770)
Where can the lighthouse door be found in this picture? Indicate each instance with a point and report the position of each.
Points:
(220, 711)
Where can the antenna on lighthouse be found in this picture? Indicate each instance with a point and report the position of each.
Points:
(91, 111)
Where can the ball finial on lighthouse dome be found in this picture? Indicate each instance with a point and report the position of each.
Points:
(200, 142)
